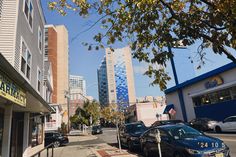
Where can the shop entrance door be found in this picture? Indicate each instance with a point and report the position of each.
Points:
(17, 134)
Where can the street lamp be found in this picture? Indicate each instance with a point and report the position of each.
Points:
(180, 91)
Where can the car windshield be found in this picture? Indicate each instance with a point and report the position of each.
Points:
(136, 129)
(181, 132)
(96, 127)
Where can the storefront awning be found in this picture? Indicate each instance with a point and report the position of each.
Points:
(168, 108)
(221, 87)
(34, 102)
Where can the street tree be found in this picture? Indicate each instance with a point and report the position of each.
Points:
(90, 111)
(93, 110)
(111, 114)
(152, 25)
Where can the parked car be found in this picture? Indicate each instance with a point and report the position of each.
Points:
(130, 133)
(203, 124)
(164, 122)
(56, 138)
(227, 125)
(180, 140)
(97, 130)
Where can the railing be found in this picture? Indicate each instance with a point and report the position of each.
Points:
(50, 146)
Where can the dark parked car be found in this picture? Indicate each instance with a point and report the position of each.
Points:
(96, 130)
(180, 140)
(130, 133)
(203, 124)
(164, 122)
(56, 138)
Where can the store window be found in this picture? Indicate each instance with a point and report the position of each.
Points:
(1, 128)
(35, 130)
(224, 95)
(215, 97)
(234, 92)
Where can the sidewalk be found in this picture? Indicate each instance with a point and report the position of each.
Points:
(76, 149)
(105, 150)
(95, 150)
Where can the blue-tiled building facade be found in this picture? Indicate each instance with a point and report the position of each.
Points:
(115, 79)
(121, 81)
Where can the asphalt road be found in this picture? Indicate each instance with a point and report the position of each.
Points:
(109, 136)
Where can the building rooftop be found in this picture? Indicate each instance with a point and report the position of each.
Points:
(209, 74)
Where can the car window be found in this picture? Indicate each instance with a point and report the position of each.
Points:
(57, 134)
(156, 123)
(136, 128)
(163, 133)
(48, 134)
(234, 119)
(183, 132)
(230, 119)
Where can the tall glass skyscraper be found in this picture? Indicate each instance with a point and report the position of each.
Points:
(115, 78)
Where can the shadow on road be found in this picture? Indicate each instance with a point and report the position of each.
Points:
(89, 142)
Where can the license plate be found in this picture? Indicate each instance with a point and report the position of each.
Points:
(220, 155)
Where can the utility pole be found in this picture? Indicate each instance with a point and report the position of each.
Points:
(67, 95)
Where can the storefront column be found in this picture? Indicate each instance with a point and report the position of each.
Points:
(7, 131)
(26, 133)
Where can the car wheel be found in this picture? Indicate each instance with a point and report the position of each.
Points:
(145, 151)
(56, 144)
(218, 129)
(177, 154)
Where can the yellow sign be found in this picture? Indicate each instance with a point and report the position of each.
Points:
(213, 82)
(10, 91)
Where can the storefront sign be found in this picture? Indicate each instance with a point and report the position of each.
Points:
(10, 91)
(214, 82)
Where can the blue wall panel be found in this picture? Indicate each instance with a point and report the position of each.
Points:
(217, 111)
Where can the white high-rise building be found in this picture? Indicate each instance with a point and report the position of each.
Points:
(77, 87)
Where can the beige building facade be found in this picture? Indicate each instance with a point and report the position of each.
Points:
(62, 69)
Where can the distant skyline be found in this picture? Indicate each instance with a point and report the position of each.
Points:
(85, 63)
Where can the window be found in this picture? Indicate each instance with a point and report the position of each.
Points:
(35, 130)
(215, 97)
(40, 40)
(28, 10)
(39, 80)
(230, 119)
(234, 92)
(224, 95)
(25, 60)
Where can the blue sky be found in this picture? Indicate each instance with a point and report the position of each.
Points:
(85, 63)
